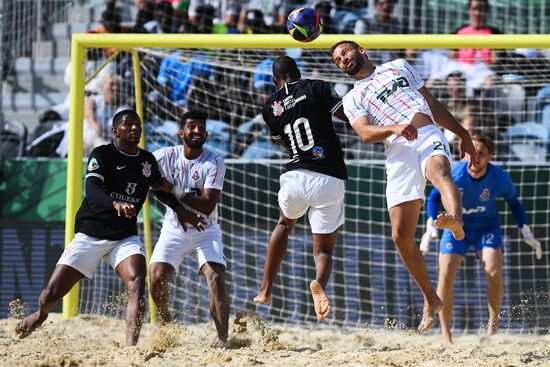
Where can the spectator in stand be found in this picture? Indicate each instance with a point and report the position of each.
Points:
(221, 8)
(145, 14)
(477, 10)
(99, 110)
(179, 70)
(348, 13)
(381, 23)
(110, 23)
(274, 14)
(325, 8)
(162, 19)
(456, 93)
(254, 22)
(203, 20)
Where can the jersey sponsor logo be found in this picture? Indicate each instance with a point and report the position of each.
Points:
(130, 187)
(93, 165)
(477, 209)
(289, 102)
(278, 108)
(485, 194)
(128, 199)
(120, 167)
(318, 152)
(196, 175)
(146, 169)
(386, 92)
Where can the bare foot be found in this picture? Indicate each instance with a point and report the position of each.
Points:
(453, 224)
(492, 326)
(262, 299)
(29, 324)
(447, 339)
(320, 300)
(428, 315)
(222, 344)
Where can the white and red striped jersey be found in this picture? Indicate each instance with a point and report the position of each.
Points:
(388, 96)
(207, 171)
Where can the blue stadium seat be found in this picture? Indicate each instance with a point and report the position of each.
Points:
(529, 141)
(219, 137)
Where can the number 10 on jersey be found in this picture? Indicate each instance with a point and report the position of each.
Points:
(294, 133)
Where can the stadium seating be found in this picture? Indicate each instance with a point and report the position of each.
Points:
(529, 141)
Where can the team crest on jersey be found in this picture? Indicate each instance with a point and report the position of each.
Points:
(485, 195)
(394, 71)
(93, 165)
(130, 187)
(449, 245)
(278, 108)
(318, 152)
(146, 169)
(196, 175)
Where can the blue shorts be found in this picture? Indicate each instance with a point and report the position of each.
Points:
(490, 237)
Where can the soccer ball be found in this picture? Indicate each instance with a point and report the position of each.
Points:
(304, 24)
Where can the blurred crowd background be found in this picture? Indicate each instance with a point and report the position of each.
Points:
(503, 93)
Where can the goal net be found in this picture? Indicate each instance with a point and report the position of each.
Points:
(508, 99)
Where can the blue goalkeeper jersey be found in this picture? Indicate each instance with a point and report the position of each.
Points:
(479, 197)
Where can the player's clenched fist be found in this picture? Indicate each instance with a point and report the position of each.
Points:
(407, 131)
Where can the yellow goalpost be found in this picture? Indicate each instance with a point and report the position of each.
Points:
(131, 42)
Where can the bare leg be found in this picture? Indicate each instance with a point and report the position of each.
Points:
(323, 247)
(404, 218)
(62, 280)
(219, 304)
(132, 271)
(448, 266)
(438, 171)
(276, 249)
(160, 276)
(492, 264)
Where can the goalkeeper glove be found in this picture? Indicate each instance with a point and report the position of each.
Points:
(531, 241)
(431, 233)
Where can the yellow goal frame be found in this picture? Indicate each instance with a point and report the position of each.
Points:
(131, 42)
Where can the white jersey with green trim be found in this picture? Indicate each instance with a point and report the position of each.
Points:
(207, 171)
(388, 96)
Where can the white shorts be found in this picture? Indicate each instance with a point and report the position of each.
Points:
(406, 164)
(84, 252)
(174, 245)
(322, 194)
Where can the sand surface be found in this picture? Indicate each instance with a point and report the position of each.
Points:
(99, 341)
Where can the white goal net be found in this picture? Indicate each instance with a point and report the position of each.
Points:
(508, 100)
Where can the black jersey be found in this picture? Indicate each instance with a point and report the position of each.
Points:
(300, 113)
(114, 175)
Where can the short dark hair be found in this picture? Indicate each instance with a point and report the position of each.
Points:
(487, 141)
(192, 115)
(353, 44)
(481, 1)
(284, 67)
(120, 116)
